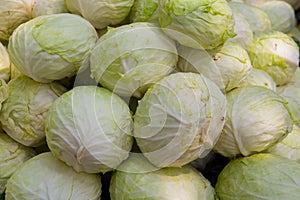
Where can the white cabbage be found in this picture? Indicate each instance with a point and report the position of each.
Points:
(90, 129)
(44, 177)
(179, 119)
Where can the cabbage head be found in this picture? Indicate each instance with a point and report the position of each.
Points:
(179, 119)
(23, 112)
(136, 178)
(52, 47)
(90, 129)
(261, 176)
(289, 147)
(256, 119)
(260, 78)
(12, 156)
(130, 58)
(256, 17)
(101, 13)
(227, 67)
(291, 94)
(294, 3)
(242, 29)
(45, 177)
(275, 53)
(201, 24)
(12, 14)
(281, 15)
(48, 7)
(295, 80)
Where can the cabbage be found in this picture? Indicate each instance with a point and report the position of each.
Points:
(242, 28)
(12, 156)
(295, 80)
(23, 112)
(256, 119)
(52, 47)
(295, 33)
(256, 17)
(48, 7)
(136, 178)
(44, 177)
(200, 24)
(12, 14)
(260, 176)
(179, 119)
(294, 3)
(260, 78)
(291, 94)
(101, 13)
(281, 15)
(275, 53)
(226, 67)
(90, 129)
(289, 147)
(129, 59)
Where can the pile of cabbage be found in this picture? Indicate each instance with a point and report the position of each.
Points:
(138, 99)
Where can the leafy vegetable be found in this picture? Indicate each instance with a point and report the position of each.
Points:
(204, 24)
(256, 119)
(89, 128)
(179, 119)
(260, 176)
(52, 47)
(23, 112)
(136, 178)
(45, 177)
(129, 59)
(101, 13)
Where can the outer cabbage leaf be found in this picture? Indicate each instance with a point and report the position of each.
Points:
(144, 11)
